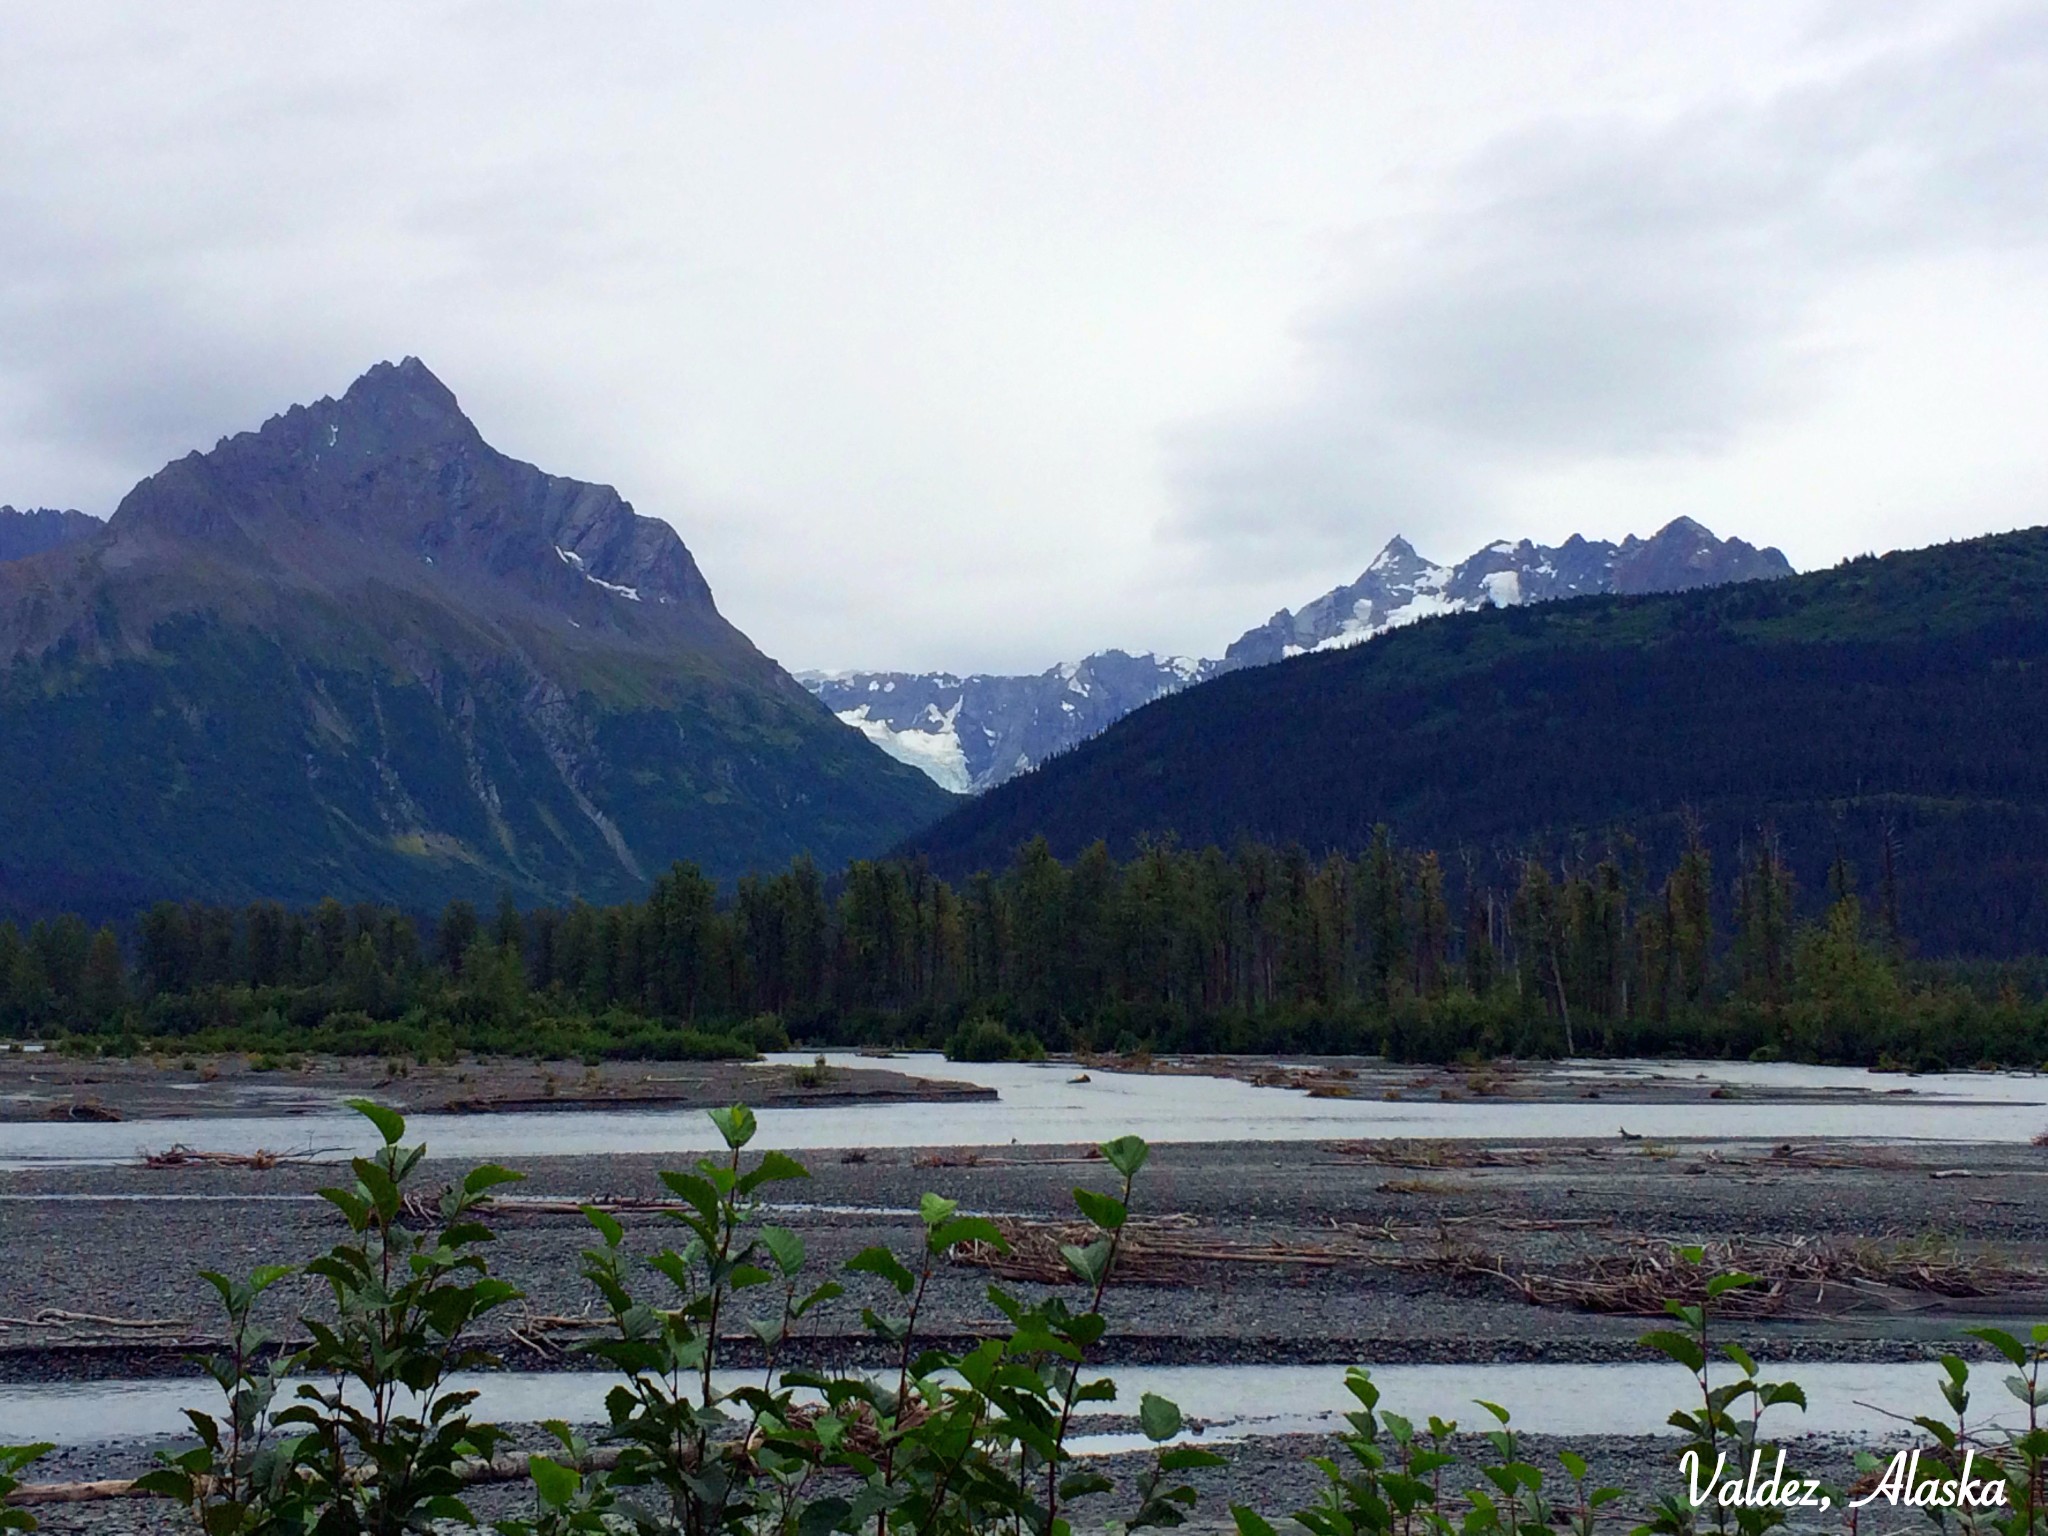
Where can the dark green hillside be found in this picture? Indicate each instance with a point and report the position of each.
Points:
(225, 767)
(1902, 696)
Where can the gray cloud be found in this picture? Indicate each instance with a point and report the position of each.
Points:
(990, 335)
(1606, 289)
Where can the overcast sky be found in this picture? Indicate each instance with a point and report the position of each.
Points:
(981, 336)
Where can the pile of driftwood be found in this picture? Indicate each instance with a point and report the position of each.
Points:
(83, 1109)
(1406, 1153)
(1794, 1275)
(1158, 1250)
(181, 1156)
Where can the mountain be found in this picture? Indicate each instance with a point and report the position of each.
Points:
(1400, 587)
(973, 733)
(30, 533)
(969, 733)
(1902, 699)
(362, 653)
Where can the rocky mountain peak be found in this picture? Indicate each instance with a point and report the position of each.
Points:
(392, 482)
(406, 393)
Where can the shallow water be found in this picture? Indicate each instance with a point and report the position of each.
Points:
(1042, 1104)
(1233, 1402)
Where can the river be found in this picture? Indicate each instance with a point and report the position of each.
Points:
(1042, 1103)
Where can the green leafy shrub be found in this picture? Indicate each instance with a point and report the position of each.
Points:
(943, 1441)
(985, 1039)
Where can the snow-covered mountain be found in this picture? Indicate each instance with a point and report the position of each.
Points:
(971, 733)
(1400, 587)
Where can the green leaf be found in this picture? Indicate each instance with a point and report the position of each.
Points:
(555, 1483)
(1126, 1155)
(1720, 1285)
(389, 1122)
(967, 1229)
(1686, 1351)
(777, 1167)
(694, 1191)
(488, 1176)
(785, 1248)
(736, 1125)
(1783, 1392)
(1250, 1522)
(934, 1209)
(351, 1205)
(2001, 1341)
(607, 1225)
(1186, 1458)
(880, 1261)
(1075, 1484)
(1158, 1417)
(382, 1188)
(1089, 1263)
(1106, 1212)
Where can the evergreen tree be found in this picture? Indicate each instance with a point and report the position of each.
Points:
(1382, 896)
(1432, 926)
(1763, 921)
(454, 935)
(1690, 913)
(509, 930)
(103, 988)
(170, 961)
(263, 927)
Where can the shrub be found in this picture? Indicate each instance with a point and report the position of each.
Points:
(984, 1039)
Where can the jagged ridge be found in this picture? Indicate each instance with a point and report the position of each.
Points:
(972, 733)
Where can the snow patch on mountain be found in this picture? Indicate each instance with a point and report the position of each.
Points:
(933, 746)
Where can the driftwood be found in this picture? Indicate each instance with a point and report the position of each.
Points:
(1158, 1250)
(179, 1155)
(1406, 1153)
(83, 1109)
(1795, 1274)
(48, 1317)
(509, 1468)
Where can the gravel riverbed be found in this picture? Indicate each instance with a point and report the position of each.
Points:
(1302, 1252)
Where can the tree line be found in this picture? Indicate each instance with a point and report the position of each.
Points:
(1257, 948)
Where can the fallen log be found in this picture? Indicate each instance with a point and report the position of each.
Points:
(55, 1316)
(508, 1468)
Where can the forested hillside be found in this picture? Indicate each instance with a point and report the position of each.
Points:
(1893, 707)
(1256, 949)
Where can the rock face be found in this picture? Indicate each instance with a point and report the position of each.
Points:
(972, 733)
(360, 652)
(30, 533)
